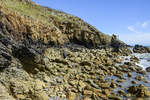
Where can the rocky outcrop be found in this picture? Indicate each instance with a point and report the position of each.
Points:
(148, 69)
(141, 49)
(139, 91)
(54, 27)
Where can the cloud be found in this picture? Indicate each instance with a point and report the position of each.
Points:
(140, 28)
(138, 33)
(131, 28)
(145, 24)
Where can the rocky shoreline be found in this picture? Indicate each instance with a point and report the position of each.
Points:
(47, 54)
(71, 72)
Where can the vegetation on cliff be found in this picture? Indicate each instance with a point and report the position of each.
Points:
(23, 19)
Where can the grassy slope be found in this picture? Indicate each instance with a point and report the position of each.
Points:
(51, 17)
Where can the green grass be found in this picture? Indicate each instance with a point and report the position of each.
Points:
(35, 11)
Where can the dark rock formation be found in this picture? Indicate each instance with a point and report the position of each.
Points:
(148, 69)
(141, 49)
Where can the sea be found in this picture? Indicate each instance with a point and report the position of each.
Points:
(144, 59)
(144, 63)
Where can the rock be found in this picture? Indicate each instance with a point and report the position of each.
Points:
(141, 49)
(29, 58)
(5, 57)
(143, 72)
(114, 97)
(88, 93)
(113, 85)
(71, 96)
(102, 96)
(122, 92)
(108, 62)
(148, 69)
(105, 85)
(119, 76)
(84, 63)
(87, 98)
(73, 83)
(133, 82)
(116, 44)
(128, 63)
(134, 58)
(106, 92)
(63, 61)
(39, 60)
(4, 95)
(81, 85)
(129, 74)
(95, 97)
(118, 60)
(93, 84)
(88, 68)
(140, 78)
(139, 91)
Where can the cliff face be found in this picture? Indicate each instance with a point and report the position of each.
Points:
(23, 19)
(32, 69)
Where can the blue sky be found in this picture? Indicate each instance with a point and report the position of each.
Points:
(129, 19)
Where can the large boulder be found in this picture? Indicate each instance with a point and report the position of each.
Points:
(141, 49)
(139, 91)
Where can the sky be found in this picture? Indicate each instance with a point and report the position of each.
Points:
(128, 19)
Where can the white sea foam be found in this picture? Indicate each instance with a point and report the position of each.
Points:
(144, 60)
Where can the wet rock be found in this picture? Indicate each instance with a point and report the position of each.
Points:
(122, 92)
(134, 58)
(118, 60)
(129, 63)
(119, 76)
(130, 75)
(140, 78)
(143, 72)
(141, 49)
(148, 69)
(121, 80)
(139, 91)
(133, 82)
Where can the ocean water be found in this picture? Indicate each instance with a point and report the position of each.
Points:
(144, 60)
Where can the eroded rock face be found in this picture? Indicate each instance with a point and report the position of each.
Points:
(60, 28)
(141, 49)
(5, 56)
